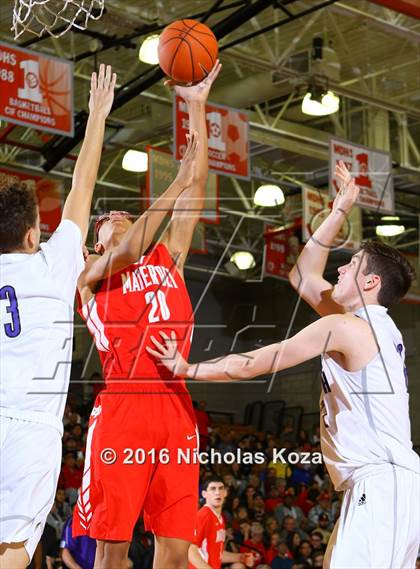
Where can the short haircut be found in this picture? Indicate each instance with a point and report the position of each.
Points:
(211, 479)
(395, 271)
(18, 213)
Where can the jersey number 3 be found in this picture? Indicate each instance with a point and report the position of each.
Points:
(159, 310)
(12, 328)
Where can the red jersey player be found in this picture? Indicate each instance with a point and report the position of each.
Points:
(144, 416)
(207, 551)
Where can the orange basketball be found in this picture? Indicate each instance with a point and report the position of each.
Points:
(187, 51)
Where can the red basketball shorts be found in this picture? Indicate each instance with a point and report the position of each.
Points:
(140, 457)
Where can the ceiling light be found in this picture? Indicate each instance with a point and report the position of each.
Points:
(244, 260)
(135, 161)
(389, 230)
(269, 195)
(319, 103)
(149, 50)
(390, 218)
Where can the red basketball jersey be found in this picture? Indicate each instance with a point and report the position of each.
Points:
(210, 538)
(143, 299)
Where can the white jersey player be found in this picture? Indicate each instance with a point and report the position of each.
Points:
(37, 289)
(365, 423)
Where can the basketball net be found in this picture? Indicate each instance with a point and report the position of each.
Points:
(54, 17)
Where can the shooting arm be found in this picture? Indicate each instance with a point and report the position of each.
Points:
(189, 205)
(139, 237)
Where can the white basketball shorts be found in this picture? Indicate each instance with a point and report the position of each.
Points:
(379, 524)
(30, 462)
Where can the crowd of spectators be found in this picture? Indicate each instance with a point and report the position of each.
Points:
(283, 513)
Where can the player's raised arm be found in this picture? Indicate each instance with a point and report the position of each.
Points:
(189, 205)
(342, 333)
(307, 274)
(140, 235)
(78, 202)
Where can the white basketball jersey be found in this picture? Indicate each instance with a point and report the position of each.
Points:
(364, 414)
(36, 326)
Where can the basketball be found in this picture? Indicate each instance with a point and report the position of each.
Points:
(187, 51)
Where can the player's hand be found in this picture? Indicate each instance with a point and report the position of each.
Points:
(249, 559)
(102, 87)
(186, 170)
(200, 91)
(167, 352)
(349, 190)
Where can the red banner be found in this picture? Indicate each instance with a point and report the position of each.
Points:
(282, 248)
(228, 138)
(49, 192)
(36, 90)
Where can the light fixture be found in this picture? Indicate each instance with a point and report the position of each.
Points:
(135, 161)
(148, 52)
(244, 260)
(318, 102)
(269, 195)
(389, 229)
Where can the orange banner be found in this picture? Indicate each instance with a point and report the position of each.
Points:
(36, 90)
(49, 192)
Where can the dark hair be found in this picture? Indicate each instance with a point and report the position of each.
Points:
(18, 213)
(395, 271)
(211, 479)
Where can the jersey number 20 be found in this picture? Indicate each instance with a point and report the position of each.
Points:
(158, 302)
(12, 328)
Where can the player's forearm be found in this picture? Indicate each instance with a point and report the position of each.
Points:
(87, 165)
(194, 557)
(230, 557)
(141, 234)
(233, 367)
(79, 200)
(197, 120)
(314, 256)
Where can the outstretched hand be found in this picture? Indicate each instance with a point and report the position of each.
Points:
(349, 190)
(102, 87)
(201, 90)
(168, 354)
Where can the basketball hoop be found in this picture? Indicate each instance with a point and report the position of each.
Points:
(54, 17)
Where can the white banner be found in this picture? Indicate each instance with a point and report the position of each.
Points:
(372, 170)
(317, 206)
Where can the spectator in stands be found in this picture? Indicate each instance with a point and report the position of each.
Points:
(255, 544)
(283, 559)
(273, 499)
(240, 516)
(288, 508)
(325, 507)
(71, 477)
(318, 560)
(78, 552)
(59, 513)
(293, 541)
(258, 508)
(317, 542)
(273, 550)
(322, 528)
(289, 526)
(304, 554)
